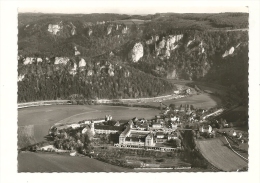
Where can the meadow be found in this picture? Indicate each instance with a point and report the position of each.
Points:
(218, 154)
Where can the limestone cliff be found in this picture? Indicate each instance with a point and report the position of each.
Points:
(61, 60)
(137, 52)
(228, 52)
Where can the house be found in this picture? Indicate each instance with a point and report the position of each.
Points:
(172, 136)
(207, 129)
(74, 126)
(108, 118)
(117, 123)
(157, 125)
(174, 126)
(160, 135)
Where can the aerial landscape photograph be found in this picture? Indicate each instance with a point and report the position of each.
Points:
(132, 92)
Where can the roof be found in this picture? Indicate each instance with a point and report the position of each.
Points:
(107, 127)
(135, 139)
(159, 133)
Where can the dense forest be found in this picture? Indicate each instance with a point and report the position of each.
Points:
(200, 47)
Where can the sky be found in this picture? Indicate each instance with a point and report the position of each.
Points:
(137, 9)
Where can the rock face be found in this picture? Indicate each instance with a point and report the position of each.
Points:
(90, 32)
(61, 60)
(73, 29)
(39, 60)
(228, 52)
(109, 29)
(201, 48)
(170, 43)
(125, 30)
(127, 74)
(20, 77)
(82, 63)
(54, 29)
(166, 45)
(28, 60)
(76, 51)
(148, 42)
(189, 43)
(137, 52)
(90, 73)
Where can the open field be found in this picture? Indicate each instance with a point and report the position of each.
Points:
(131, 21)
(45, 162)
(40, 119)
(219, 155)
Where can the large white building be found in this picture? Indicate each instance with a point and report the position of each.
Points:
(136, 137)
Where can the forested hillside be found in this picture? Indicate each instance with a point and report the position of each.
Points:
(122, 56)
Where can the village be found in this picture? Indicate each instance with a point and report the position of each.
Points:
(161, 133)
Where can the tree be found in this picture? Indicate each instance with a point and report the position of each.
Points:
(172, 106)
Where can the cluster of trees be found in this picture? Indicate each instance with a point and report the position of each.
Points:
(45, 82)
(73, 139)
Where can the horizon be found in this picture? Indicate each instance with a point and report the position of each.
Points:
(133, 10)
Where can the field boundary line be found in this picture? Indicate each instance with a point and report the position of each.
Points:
(235, 151)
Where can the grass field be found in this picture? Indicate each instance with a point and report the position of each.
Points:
(40, 119)
(203, 100)
(219, 155)
(44, 162)
(25, 136)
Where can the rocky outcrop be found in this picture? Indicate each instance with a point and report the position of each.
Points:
(73, 29)
(155, 38)
(54, 28)
(39, 60)
(61, 60)
(201, 48)
(111, 72)
(76, 51)
(125, 30)
(137, 52)
(82, 63)
(109, 29)
(126, 74)
(190, 42)
(228, 52)
(166, 45)
(148, 42)
(90, 32)
(90, 73)
(28, 60)
(170, 43)
(20, 77)
(100, 23)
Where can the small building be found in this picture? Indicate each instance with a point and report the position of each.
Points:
(207, 129)
(160, 135)
(106, 129)
(157, 125)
